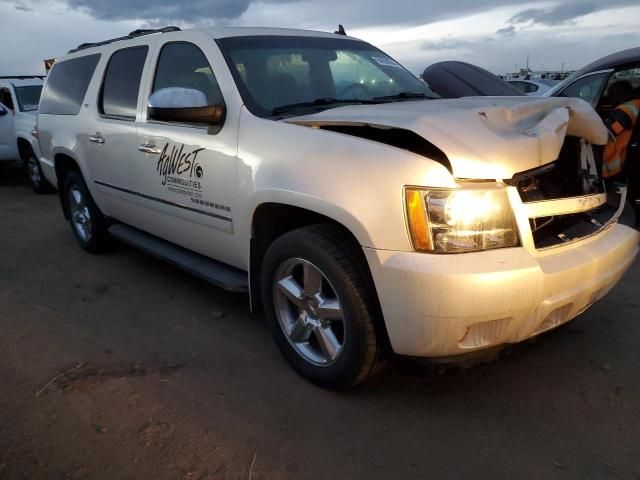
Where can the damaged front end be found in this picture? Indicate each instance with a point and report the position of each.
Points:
(567, 200)
(548, 150)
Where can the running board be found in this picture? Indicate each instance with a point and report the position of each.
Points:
(217, 273)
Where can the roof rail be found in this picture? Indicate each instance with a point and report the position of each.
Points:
(136, 33)
(21, 77)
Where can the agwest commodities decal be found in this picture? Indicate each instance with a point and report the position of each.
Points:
(180, 168)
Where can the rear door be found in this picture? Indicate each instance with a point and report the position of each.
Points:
(112, 141)
(187, 173)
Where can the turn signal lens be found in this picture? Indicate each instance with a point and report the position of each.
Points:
(420, 234)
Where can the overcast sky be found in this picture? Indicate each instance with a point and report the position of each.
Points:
(495, 34)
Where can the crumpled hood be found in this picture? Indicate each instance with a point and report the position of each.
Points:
(483, 137)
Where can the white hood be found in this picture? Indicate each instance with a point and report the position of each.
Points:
(483, 137)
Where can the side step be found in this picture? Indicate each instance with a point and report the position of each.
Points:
(217, 273)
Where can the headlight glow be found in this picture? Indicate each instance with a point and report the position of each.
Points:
(461, 220)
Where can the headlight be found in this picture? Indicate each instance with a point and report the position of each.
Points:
(462, 220)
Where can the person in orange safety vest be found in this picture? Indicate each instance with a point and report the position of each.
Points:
(621, 123)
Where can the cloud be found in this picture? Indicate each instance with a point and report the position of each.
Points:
(559, 15)
(416, 33)
(352, 13)
(508, 31)
(21, 7)
(449, 43)
(189, 11)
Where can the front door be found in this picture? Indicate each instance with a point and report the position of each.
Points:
(187, 173)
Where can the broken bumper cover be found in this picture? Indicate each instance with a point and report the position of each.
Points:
(442, 305)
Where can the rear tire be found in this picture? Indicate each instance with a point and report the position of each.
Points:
(37, 180)
(87, 222)
(319, 310)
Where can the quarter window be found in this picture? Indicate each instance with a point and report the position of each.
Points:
(119, 97)
(67, 85)
(183, 65)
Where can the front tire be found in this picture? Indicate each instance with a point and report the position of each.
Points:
(319, 309)
(87, 222)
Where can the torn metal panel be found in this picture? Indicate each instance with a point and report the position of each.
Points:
(482, 137)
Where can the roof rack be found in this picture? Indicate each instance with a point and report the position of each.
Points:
(21, 77)
(136, 33)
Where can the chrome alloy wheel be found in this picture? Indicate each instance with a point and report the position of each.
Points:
(309, 312)
(34, 171)
(80, 215)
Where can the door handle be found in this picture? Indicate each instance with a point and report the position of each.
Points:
(149, 148)
(96, 139)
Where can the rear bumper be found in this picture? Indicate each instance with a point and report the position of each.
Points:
(441, 305)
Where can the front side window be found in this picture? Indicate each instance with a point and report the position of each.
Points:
(67, 85)
(28, 97)
(587, 88)
(274, 72)
(183, 65)
(119, 97)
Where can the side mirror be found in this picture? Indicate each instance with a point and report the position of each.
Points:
(187, 105)
(3, 110)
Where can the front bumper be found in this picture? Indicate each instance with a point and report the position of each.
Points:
(442, 305)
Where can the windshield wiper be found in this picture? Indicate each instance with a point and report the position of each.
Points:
(320, 102)
(405, 96)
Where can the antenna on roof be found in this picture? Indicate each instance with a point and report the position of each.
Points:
(340, 30)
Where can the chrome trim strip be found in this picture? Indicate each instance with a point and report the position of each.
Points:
(565, 206)
(622, 191)
(166, 202)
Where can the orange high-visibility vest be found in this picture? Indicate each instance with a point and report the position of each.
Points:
(621, 123)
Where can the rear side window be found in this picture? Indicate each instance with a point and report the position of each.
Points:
(67, 85)
(119, 97)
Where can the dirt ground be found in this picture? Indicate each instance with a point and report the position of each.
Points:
(121, 367)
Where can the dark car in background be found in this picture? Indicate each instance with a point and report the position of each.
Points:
(594, 82)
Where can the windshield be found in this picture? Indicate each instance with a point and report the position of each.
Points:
(280, 75)
(28, 97)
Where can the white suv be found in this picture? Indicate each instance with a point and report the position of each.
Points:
(19, 97)
(311, 169)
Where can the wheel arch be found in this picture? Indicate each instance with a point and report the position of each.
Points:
(24, 147)
(63, 164)
(271, 220)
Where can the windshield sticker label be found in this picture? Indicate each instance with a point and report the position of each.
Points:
(386, 62)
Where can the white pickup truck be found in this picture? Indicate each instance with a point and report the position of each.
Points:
(19, 97)
(364, 215)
